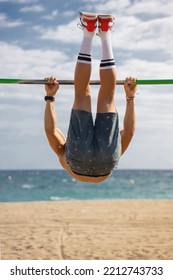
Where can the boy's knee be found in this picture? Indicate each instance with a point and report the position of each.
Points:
(82, 103)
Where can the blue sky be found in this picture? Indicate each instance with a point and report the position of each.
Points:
(41, 38)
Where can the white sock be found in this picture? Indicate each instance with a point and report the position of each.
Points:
(85, 49)
(107, 56)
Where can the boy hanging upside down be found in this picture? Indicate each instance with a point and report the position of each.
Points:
(92, 150)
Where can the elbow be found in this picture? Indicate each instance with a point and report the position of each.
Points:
(130, 132)
(131, 129)
(126, 137)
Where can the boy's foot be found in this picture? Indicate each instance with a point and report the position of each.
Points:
(88, 21)
(105, 22)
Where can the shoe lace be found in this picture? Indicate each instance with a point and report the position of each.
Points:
(80, 26)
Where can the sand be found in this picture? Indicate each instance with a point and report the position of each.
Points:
(87, 230)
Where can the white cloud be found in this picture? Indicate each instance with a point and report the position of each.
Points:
(32, 9)
(126, 7)
(63, 33)
(109, 6)
(69, 13)
(5, 22)
(51, 15)
(33, 63)
(147, 35)
(161, 7)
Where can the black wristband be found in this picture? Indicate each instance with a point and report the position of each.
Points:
(50, 98)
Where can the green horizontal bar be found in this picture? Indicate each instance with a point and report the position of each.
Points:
(9, 81)
(20, 81)
(92, 82)
(154, 82)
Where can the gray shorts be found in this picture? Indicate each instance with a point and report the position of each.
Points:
(93, 149)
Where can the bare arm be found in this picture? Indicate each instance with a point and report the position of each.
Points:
(54, 135)
(130, 115)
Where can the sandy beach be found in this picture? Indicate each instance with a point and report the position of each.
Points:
(87, 230)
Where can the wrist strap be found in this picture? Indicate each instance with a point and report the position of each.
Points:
(50, 98)
(130, 97)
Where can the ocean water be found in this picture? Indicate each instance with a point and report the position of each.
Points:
(57, 185)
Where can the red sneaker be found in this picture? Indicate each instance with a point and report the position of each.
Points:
(88, 21)
(105, 22)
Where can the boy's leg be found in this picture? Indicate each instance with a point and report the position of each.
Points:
(106, 101)
(83, 66)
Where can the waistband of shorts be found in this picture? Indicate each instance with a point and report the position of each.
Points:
(91, 175)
